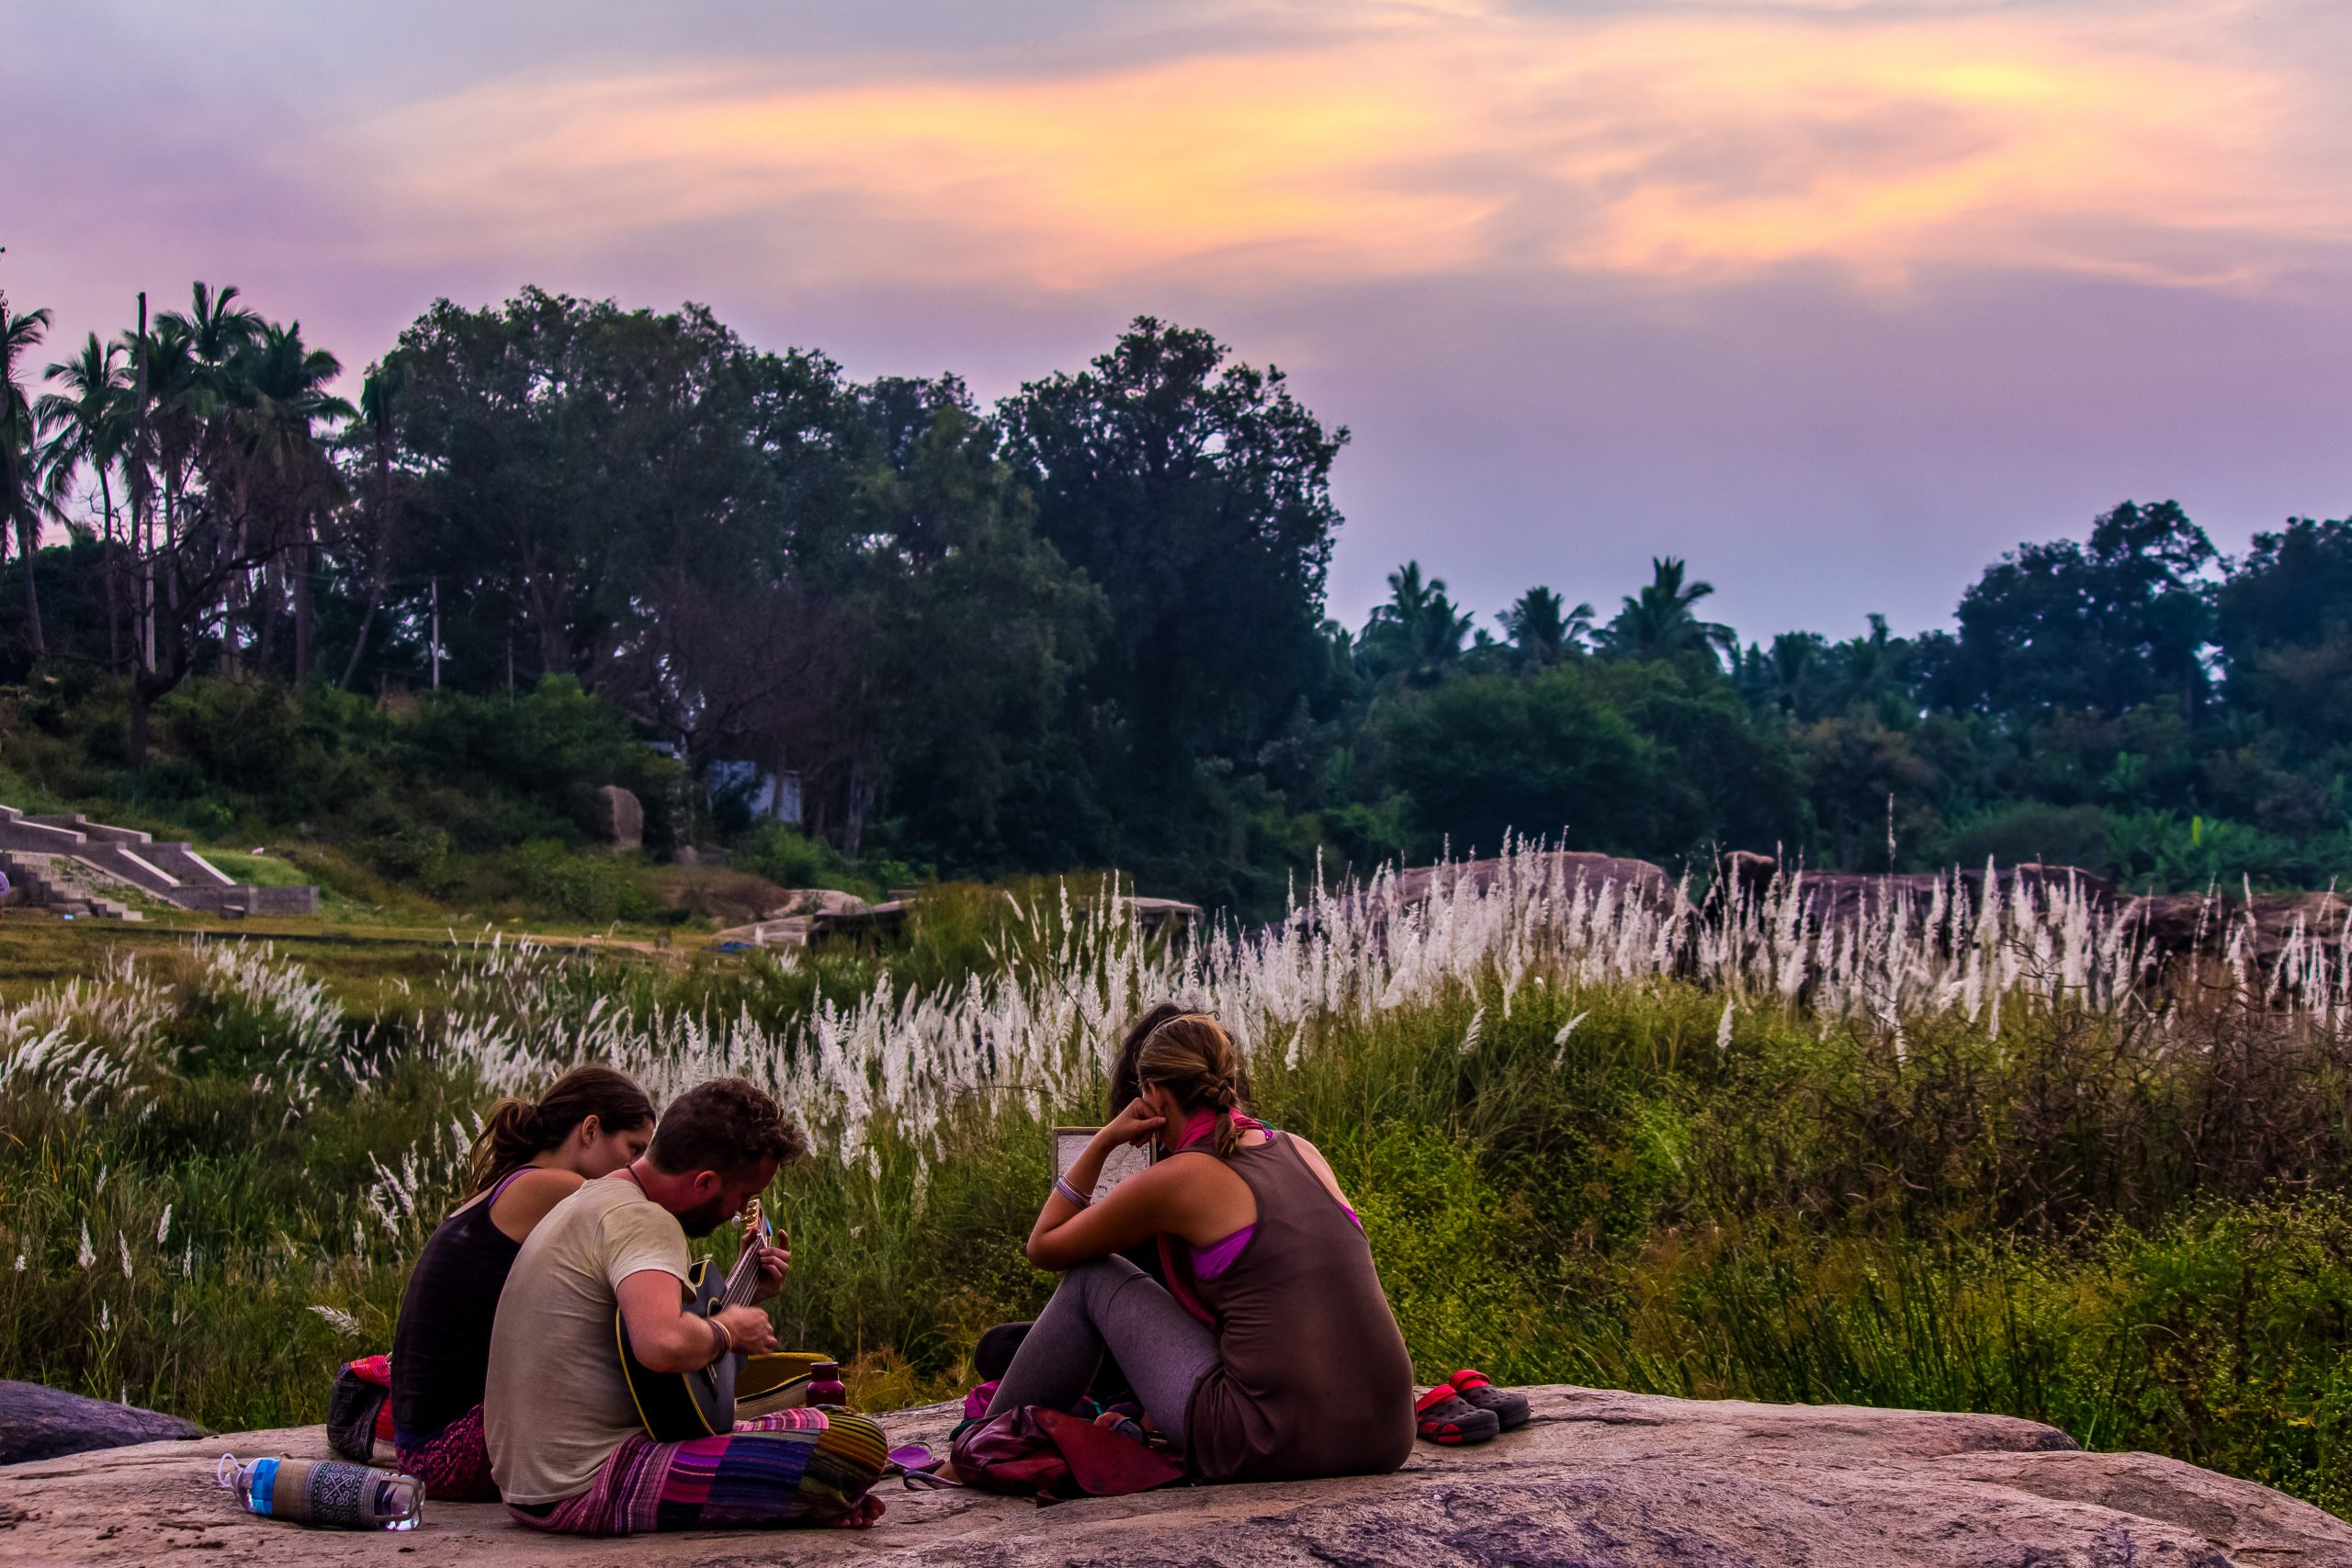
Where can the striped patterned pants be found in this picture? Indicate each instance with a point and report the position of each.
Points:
(807, 1466)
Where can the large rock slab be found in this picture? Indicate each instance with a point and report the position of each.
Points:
(1598, 1479)
(43, 1423)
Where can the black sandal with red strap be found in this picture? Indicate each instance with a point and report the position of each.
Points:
(1510, 1407)
(1441, 1415)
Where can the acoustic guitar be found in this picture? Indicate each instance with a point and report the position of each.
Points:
(676, 1407)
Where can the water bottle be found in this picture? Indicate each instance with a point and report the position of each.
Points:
(825, 1385)
(324, 1492)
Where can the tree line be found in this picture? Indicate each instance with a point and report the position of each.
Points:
(1086, 626)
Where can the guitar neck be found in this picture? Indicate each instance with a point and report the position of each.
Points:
(745, 1277)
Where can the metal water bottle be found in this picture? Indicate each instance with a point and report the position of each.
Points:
(324, 1492)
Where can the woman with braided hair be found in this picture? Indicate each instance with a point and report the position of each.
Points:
(528, 1157)
(1271, 1353)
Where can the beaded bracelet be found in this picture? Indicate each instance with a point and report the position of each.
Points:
(1062, 1186)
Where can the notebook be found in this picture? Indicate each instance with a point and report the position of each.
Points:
(1071, 1141)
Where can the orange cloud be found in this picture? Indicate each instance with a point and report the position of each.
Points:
(1422, 139)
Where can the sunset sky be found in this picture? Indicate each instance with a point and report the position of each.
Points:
(1837, 298)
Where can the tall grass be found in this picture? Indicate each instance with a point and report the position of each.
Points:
(1957, 1152)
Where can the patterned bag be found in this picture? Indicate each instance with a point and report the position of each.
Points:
(360, 1411)
(1033, 1451)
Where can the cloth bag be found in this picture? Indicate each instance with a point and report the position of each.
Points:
(1045, 1454)
(359, 1410)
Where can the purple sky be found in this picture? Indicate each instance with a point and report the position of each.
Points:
(1837, 299)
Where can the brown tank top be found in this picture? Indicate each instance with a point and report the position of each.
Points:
(1312, 1378)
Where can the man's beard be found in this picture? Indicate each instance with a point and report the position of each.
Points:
(704, 1218)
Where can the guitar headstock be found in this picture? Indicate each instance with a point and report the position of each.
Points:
(754, 1222)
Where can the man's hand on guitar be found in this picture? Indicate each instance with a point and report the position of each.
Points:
(752, 1333)
(775, 1263)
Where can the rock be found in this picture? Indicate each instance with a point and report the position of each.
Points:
(43, 1423)
(1598, 1479)
(619, 820)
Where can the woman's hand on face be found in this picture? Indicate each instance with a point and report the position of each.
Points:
(1135, 1122)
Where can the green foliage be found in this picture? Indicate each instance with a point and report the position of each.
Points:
(2140, 1235)
(792, 859)
(1657, 759)
(1084, 627)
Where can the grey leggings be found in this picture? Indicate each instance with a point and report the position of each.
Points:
(1110, 1304)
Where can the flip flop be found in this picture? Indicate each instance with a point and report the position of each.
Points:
(1442, 1416)
(916, 1470)
(1508, 1405)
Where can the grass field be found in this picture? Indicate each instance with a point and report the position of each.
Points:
(1590, 1144)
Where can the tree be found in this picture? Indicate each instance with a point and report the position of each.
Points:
(278, 393)
(376, 433)
(20, 498)
(1194, 491)
(2283, 625)
(1417, 635)
(1659, 624)
(1542, 631)
(87, 426)
(2122, 621)
(1791, 679)
(576, 462)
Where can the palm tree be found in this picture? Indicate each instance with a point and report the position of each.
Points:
(20, 498)
(379, 397)
(88, 423)
(1542, 630)
(1659, 624)
(215, 333)
(1418, 633)
(278, 391)
(216, 328)
(1789, 678)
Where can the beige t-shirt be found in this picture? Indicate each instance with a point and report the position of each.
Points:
(556, 1406)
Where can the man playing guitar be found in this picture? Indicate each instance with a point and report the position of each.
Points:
(566, 1438)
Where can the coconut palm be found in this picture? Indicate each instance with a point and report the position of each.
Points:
(1659, 622)
(87, 424)
(216, 328)
(20, 499)
(277, 392)
(380, 399)
(1542, 630)
(1418, 634)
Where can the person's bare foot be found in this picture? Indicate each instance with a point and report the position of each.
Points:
(868, 1509)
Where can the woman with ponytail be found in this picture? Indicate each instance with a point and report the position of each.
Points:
(1269, 1354)
(530, 1156)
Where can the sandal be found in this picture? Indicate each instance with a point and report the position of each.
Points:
(1508, 1405)
(1442, 1416)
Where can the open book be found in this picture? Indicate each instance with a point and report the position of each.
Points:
(1071, 1141)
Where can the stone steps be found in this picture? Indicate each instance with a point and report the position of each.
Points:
(171, 872)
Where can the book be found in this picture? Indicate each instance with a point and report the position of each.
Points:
(1071, 1141)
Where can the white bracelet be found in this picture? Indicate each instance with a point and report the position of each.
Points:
(1062, 1186)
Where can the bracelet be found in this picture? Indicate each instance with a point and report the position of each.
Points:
(726, 1341)
(1076, 1199)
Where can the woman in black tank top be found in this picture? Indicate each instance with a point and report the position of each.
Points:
(528, 1158)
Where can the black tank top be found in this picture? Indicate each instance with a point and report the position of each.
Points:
(441, 1345)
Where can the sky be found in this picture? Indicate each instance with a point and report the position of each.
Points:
(1838, 299)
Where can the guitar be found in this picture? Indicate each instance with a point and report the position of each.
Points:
(676, 1407)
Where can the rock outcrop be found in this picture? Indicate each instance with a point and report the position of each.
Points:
(1598, 1479)
(618, 820)
(44, 1423)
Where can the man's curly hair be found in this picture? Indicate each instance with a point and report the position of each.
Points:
(724, 1125)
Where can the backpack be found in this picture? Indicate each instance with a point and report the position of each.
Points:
(1045, 1454)
(359, 1410)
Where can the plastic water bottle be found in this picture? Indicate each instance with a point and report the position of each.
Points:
(324, 1492)
(825, 1386)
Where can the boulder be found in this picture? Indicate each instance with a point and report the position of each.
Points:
(619, 820)
(1598, 1479)
(44, 1423)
